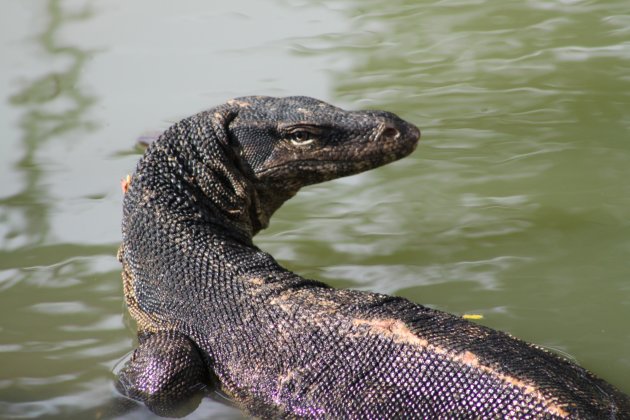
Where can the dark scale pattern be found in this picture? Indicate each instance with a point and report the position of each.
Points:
(212, 309)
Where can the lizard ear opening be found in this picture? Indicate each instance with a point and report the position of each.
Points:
(244, 207)
(220, 120)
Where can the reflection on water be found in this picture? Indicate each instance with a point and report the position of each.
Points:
(53, 340)
(516, 204)
(53, 104)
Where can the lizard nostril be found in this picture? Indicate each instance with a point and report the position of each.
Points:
(390, 133)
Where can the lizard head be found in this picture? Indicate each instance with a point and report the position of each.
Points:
(284, 144)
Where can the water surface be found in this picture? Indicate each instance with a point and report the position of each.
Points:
(516, 205)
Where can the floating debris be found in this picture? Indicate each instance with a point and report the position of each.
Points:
(472, 316)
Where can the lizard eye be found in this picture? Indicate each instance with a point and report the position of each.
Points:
(301, 138)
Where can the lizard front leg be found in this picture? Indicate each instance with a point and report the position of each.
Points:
(166, 372)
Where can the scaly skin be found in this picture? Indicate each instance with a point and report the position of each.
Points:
(214, 309)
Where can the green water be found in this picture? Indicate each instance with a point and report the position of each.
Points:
(516, 205)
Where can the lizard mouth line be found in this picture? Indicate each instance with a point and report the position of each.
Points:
(310, 163)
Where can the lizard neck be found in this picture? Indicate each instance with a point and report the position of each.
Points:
(193, 174)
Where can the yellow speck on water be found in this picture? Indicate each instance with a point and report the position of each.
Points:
(472, 316)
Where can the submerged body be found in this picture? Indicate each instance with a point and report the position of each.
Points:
(213, 308)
